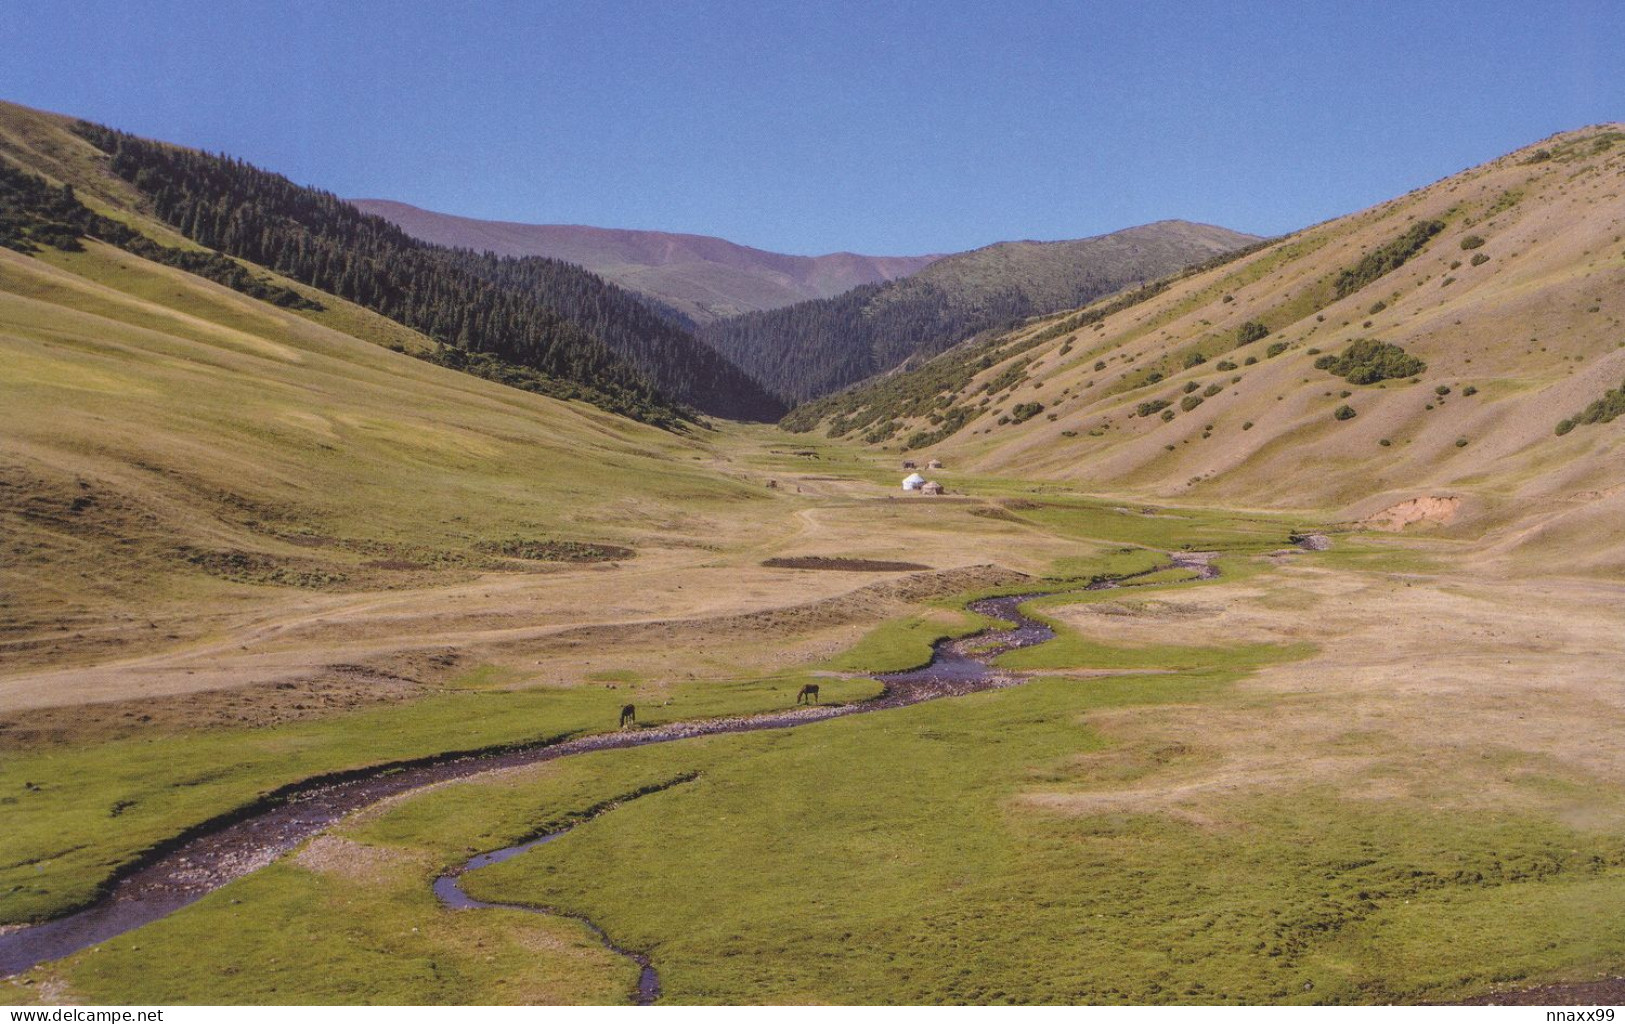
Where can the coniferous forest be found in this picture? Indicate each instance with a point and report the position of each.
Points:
(34, 213)
(541, 315)
(856, 334)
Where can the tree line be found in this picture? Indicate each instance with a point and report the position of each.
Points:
(34, 213)
(542, 315)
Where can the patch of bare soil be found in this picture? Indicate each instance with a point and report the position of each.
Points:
(557, 550)
(338, 688)
(843, 564)
(864, 605)
(347, 859)
(1441, 509)
(1603, 992)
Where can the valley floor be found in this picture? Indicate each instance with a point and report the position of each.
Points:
(1379, 772)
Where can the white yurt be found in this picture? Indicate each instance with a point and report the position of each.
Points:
(912, 482)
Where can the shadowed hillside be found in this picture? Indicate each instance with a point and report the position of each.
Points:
(814, 348)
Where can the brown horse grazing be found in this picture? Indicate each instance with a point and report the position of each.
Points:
(808, 694)
(629, 714)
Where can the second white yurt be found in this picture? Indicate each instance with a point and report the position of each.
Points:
(912, 482)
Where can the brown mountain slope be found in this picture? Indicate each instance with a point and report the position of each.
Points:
(702, 277)
(1514, 304)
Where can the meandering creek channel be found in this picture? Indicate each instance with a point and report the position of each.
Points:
(210, 855)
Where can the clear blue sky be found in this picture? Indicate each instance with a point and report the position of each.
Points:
(889, 127)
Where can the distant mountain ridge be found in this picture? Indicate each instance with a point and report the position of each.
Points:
(1460, 344)
(814, 348)
(702, 277)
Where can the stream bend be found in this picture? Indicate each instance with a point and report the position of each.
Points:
(207, 857)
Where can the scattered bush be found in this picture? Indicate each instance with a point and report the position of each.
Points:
(1506, 201)
(1366, 361)
(1275, 349)
(1386, 258)
(1479, 259)
(1344, 412)
(1194, 359)
(1469, 391)
(1100, 364)
(1151, 408)
(1442, 390)
(1250, 332)
(1461, 442)
(1024, 411)
(1167, 416)
(1211, 390)
(1248, 425)
(1606, 409)
(1190, 402)
(1472, 241)
(1377, 307)
(1385, 442)
(1224, 364)
(1250, 360)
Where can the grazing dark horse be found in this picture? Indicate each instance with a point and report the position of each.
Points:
(808, 694)
(629, 714)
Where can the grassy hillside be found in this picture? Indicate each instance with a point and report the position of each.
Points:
(814, 348)
(213, 441)
(700, 278)
(549, 325)
(1435, 342)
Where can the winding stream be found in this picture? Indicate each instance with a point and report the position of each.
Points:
(448, 889)
(216, 852)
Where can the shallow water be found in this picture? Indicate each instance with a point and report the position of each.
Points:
(210, 855)
(448, 889)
